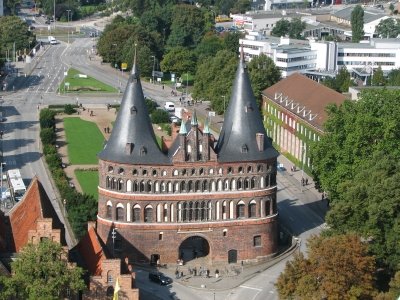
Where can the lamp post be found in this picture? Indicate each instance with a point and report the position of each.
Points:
(114, 236)
(116, 66)
(154, 65)
(223, 96)
(68, 11)
(302, 166)
(65, 206)
(54, 13)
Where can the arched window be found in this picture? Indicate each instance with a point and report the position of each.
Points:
(253, 183)
(110, 169)
(226, 185)
(108, 182)
(120, 185)
(121, 171)
(154, 173)
(135, 186)
(220, 171)
(120, 213)
(240, 184)
(110, 277)
(240, 170)
(109, 211)
(129, 185)
(134, 172)
(149, 186)
(136, 213)
(260, 168)
(211, 171)
(190, 186)
(205, 186)
(114, 184)
(165, 212)
(224, 209)
(158, 212)
(190, 210)
(252, 209)
(197, 186)
(246, 183)
(219, 185)
(249, 169)
(233, 185)
(148, 214)
(184, 212)
(240, 210)
(142, 187)
(196, 211)
(267, 207)
(183, 187)
(203, 215)
(175, 173)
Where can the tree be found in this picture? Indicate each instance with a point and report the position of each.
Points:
(214, 79)
(179, 60)
(391, 8)
(388, 28)
(281, 28)
(378, 78)
(292, 28)
(341, 82)
(394, 78)
(241, 6)
(357, 24)
(209, 46)
(263, 74)
(231, 41)
(14, 31)
(296, 27)
(188, 26)
(42, 272)
(338, 267)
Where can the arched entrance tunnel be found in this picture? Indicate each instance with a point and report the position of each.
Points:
(193, 247)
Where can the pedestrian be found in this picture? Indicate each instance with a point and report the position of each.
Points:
(208, 273)
(1, 134)
(181, 273)
(306, 181)
(108, 129)
(322, 197)
(162, 86)
(302, 181)
(216, 273)
(195, 271)
(105, 129)
(177, 274)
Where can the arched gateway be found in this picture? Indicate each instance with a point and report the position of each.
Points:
(194, 247)
(196, 195)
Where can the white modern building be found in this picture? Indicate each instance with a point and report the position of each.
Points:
(321, 59)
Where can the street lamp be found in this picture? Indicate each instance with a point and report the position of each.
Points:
(116, 66)
(54, 15)
(154, 65)
(114, 236)
(302, 166)
(223, 96)
(68, 11)
(65, 206)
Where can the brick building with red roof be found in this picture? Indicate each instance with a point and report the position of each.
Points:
(294, 114)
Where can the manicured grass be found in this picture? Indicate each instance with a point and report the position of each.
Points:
(88, 180)
(84, 141)
(83, 85)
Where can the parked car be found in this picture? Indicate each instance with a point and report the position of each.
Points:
(159, 278)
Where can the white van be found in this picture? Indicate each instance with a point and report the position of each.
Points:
(169, 106)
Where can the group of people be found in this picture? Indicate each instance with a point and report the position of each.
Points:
(203, 272)
(304, 181)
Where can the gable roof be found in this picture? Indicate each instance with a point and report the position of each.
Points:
(370, 14)
(92, 252)
(23, 217)
(305, 98)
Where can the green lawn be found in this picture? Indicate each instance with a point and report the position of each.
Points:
(83, 85)
(84, 141)
(88, 180)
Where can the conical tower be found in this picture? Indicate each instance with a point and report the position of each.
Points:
(243, 136)
(132, 140)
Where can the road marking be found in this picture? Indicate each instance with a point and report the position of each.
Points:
(250, 287)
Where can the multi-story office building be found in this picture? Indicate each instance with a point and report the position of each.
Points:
(321, 58)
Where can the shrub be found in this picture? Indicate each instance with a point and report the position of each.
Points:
(166, 128)
(48, 136)
(151, 105)
(159, 116)
(69, 109)
(46, 118)
(49, 149)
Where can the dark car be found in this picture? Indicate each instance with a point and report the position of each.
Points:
(159, 278)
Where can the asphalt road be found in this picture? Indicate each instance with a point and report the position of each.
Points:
(21, 150)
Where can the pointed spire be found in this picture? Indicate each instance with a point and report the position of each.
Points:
(135, 70)
(193, 121)
(243, 123)
(132, 140)
(206, 126)
(183, 130)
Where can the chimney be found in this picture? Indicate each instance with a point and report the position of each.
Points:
(260, 141)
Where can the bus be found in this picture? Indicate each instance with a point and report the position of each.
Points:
(16, 183)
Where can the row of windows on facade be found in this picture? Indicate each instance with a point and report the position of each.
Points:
(341, 54)
(291, 122)
(362, 63)
(219, 185)
(193, 171)
(191, 211)
(299, 58)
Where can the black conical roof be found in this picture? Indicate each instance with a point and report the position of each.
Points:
(132, 139)
(237, 140)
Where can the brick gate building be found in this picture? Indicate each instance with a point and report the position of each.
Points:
(199, 198)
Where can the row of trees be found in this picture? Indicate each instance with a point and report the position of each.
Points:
(180, 37)
(81, 207)
(292, 29)
(388, 28)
